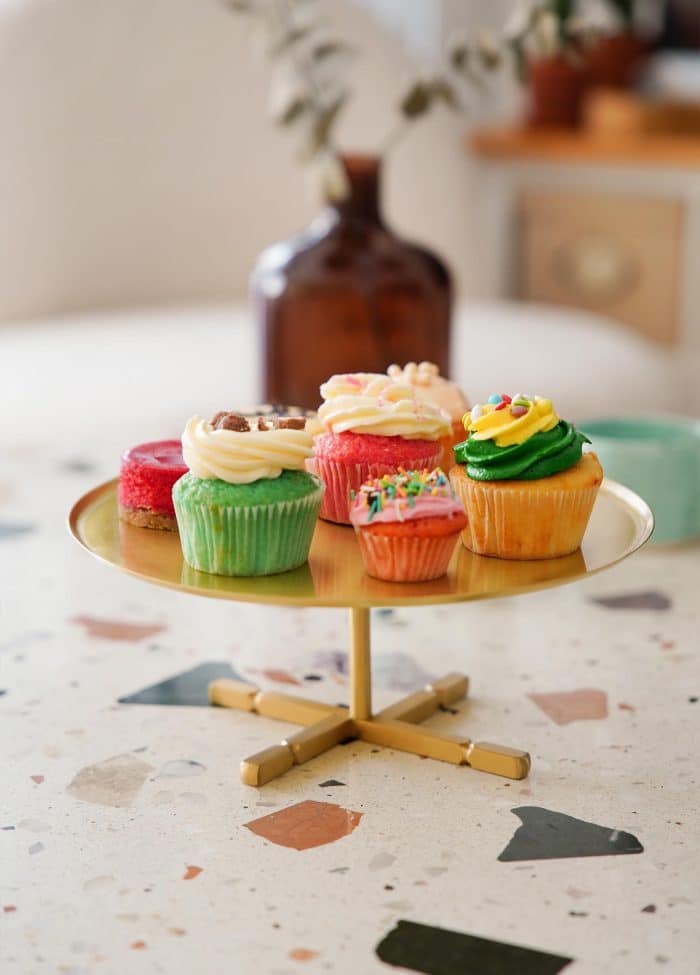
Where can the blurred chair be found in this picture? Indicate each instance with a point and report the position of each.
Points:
(589, 366)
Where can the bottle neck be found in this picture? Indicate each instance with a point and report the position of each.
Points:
(362, 201)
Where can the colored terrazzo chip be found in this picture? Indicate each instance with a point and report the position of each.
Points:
(549, 835)
(188, 689)
(437, 951)
(635, 600)
(12, 529)
(563, 707)
(306, 824)
(105, 629)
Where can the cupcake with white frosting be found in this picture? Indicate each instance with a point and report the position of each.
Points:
(430, 387)
(369, 425)
(247, 506)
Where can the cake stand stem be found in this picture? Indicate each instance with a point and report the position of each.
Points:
(360, 666)
(396, 727)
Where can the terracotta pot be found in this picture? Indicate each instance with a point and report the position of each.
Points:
(615, 61)
(348, 295)
(555, 92)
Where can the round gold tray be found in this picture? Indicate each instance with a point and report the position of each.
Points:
(334, 575)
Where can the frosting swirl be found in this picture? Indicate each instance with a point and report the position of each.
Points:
(367, 402)
(430, 387)
(517, 438)
(241, 457)
(510, 420)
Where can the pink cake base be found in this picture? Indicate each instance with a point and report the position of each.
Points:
(146, 480)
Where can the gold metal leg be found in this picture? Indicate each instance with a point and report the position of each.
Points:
(396, 726)
(296, 749)
(360, 667)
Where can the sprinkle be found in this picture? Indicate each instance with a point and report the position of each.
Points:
(501, 406)
(401, 489)
(505, 398)
(493, 399)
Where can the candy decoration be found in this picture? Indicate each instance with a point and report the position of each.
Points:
(406, 486)
(518, 410)
(505, 398)
(476, 412)
(501, 406)
(493, 399)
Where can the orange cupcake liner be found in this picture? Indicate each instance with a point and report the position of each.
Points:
(397, 559)
(540, 519)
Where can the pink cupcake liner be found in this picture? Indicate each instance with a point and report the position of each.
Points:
(397, 559)
(341, 478)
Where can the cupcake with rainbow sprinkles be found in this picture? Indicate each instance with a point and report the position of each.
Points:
(407, 525)
(527, 486)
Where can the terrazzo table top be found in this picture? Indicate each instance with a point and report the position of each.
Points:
(127, 842)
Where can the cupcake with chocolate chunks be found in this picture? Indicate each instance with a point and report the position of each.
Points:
(527, 486)
(247, 506)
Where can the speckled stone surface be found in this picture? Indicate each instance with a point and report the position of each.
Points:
(128, 844)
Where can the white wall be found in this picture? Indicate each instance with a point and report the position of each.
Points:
(137, 164)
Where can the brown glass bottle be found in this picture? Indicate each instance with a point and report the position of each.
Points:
(347, 295)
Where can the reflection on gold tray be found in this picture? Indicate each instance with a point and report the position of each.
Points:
(334, 574)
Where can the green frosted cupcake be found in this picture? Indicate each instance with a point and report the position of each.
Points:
(247, 507)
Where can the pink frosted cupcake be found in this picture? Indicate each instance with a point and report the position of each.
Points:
(371, 426)
(407, 525)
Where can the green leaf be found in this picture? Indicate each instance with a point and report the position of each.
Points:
(328, 49)
(288, 41)
(296, 108)
(625, 9)
(519, 60)
(416, 101)
(459, 57)
(441, 90)
(320, 135)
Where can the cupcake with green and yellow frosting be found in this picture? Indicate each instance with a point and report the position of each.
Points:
(526, 484)
(247, 506)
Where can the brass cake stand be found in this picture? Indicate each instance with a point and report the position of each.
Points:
(334, 576)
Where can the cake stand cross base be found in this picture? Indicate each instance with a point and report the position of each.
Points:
(326, 725)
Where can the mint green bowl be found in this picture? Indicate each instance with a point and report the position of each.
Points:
(659, 458)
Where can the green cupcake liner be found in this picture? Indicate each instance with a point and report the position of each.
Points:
(254, 540)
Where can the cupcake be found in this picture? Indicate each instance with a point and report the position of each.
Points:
(246, 507)
(527, 487)
(146, 477)
(430, 387)
(407, 525)
(369, 426)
